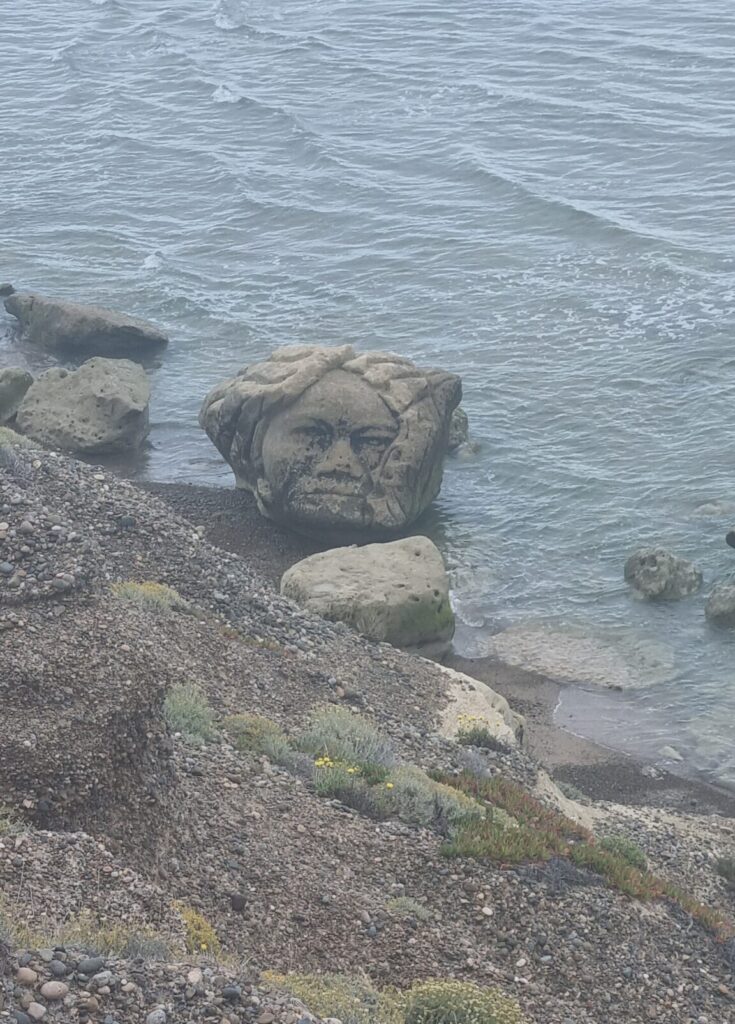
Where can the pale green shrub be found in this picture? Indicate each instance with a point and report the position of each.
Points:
(257, 734)
(250, 732)
(345, 736)
(406, 906)
(458, 1002)
(348, 999)
(419, 800)
(186, 711)
(12, 439)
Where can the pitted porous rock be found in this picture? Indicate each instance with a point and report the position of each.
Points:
(328, 440)
(101, 407)
(397, 592)
(655, 573)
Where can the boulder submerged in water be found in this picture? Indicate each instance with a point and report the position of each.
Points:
(101, 407)
(459, 430)
(14, 383)
(334, 442)
(77, 328)
(720, 606)
(656, 574)
(396, 592)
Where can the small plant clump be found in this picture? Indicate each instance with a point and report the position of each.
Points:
(152, 597)
(10, 823)
(344, 782)
(357, 1001)
(474, 731)
(458, 1002)
(87, 932)
(420, 800)
(200, 935)
(542, 833)
(340, 996)
(186, 711)
(252, 733)
(11, 438)
(348, 738)
(725, 868)
(256, 734)
(406, 906)
(627, 849)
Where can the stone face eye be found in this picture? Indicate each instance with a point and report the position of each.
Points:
(315, 435)
(371, 442)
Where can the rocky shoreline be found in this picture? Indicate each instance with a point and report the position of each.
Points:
(231, 521)
(127, 818)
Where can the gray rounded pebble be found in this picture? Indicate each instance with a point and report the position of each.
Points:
(157, 1016)
(93, 965)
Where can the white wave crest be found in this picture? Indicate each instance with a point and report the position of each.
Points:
(153, 261)
(226, 94)
(228, 15)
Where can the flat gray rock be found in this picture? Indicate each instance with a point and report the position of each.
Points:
(73, 327)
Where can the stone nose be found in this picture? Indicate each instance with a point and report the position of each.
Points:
(339, 459)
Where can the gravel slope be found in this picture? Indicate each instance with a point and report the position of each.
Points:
(130, 824)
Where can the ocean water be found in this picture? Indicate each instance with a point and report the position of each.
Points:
(539, 195)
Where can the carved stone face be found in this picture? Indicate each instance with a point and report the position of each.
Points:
(326, 451)
(333, 442)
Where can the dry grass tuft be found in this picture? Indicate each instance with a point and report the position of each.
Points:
(152, 597)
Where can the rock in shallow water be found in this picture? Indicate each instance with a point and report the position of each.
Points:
(397, 592)
(80, 328)
(459, 430)
(14, 383)
(657, 574)
(329, 440)
(720, 607)
(101, 407)
(612, 660)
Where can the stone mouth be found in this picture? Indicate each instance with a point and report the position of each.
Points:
(338, 488)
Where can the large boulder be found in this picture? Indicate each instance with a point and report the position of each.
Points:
(101, 407)
(396, 592)
(720, 606)
(655, 573)
(77, 328)
(14, 383)
(331, 441)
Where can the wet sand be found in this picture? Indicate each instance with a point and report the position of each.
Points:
(232, 522)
